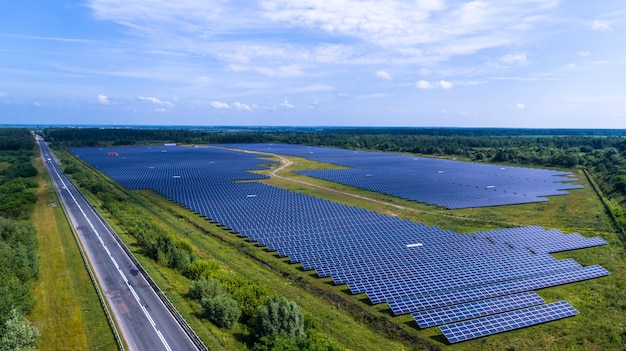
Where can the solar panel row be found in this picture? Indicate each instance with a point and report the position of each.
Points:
(439, 182)
(450, 314)
(411, 266)
(498, 323)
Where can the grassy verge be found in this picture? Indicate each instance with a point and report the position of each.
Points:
(68, 312)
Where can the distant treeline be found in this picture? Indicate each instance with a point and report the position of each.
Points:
(524, 146)
(16, 139)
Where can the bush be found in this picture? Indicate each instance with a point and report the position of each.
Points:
(222, 310)
(279, 316)
(281, 343)
(204, 289)
(17, 333)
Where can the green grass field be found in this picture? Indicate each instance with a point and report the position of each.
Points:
(68, 312)
(355, 324)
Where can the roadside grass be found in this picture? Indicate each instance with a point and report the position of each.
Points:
(68, 312)
(351, 319)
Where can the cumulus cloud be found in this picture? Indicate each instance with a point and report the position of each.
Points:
(155, 101)
(601, 26)
(519, 106)
(103, 99)
(286, 104)
(445, 85)
(239, 106)
(514, 59)
(383, 75)
(422, 84)
(220, 105)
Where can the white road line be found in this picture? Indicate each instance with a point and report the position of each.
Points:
(132, 290)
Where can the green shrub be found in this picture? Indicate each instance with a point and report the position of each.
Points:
(279, 316)
(222, 310)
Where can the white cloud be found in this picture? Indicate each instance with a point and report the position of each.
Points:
(601, 26)
(398, 30)
(103, 99)
(569, 66)
(220, 105)
(422, 84)
(286, 104)
(311, 88)
(155, 101)
(584, 53)
(514, 59)
(519, 106)
(383, 75)
(273, 72)
(445, 85)
(239, 106)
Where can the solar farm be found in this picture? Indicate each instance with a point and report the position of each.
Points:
(468, 285)
(439, 182)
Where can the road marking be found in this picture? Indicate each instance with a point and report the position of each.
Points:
(132, 290)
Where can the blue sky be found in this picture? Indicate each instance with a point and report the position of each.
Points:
(514, 63)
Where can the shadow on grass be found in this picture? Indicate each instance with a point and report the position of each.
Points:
(441, 339)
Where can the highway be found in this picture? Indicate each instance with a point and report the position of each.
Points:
(143, 320)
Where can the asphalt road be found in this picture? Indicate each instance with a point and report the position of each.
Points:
(143, 320)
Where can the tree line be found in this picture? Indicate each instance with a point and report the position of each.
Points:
(601, 151)
(19, 263)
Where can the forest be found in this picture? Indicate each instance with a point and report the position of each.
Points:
(19, 265)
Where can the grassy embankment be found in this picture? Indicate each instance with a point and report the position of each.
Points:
(68, 312)
(599, 326)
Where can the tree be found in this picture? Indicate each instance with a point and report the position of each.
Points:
(222, 310)
(279, 316)
(18, 333)
(204, 289)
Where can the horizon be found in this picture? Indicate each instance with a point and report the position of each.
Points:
(426, 63)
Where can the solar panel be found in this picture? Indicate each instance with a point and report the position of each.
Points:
(411, 266)
(449, 314)
(425, 302)
(498, 323)
(445, 183)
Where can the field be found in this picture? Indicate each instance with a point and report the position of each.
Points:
(353, 323)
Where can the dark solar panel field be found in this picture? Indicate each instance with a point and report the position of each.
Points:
(444, 183)
(437, 275)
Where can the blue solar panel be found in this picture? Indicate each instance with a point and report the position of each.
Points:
(425, 302)
(411, 266)
(449, 314)
(499, 323)
(445, 183)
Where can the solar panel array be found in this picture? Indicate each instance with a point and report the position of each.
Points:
(499, 323)
(439, 182)
(437, 275)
